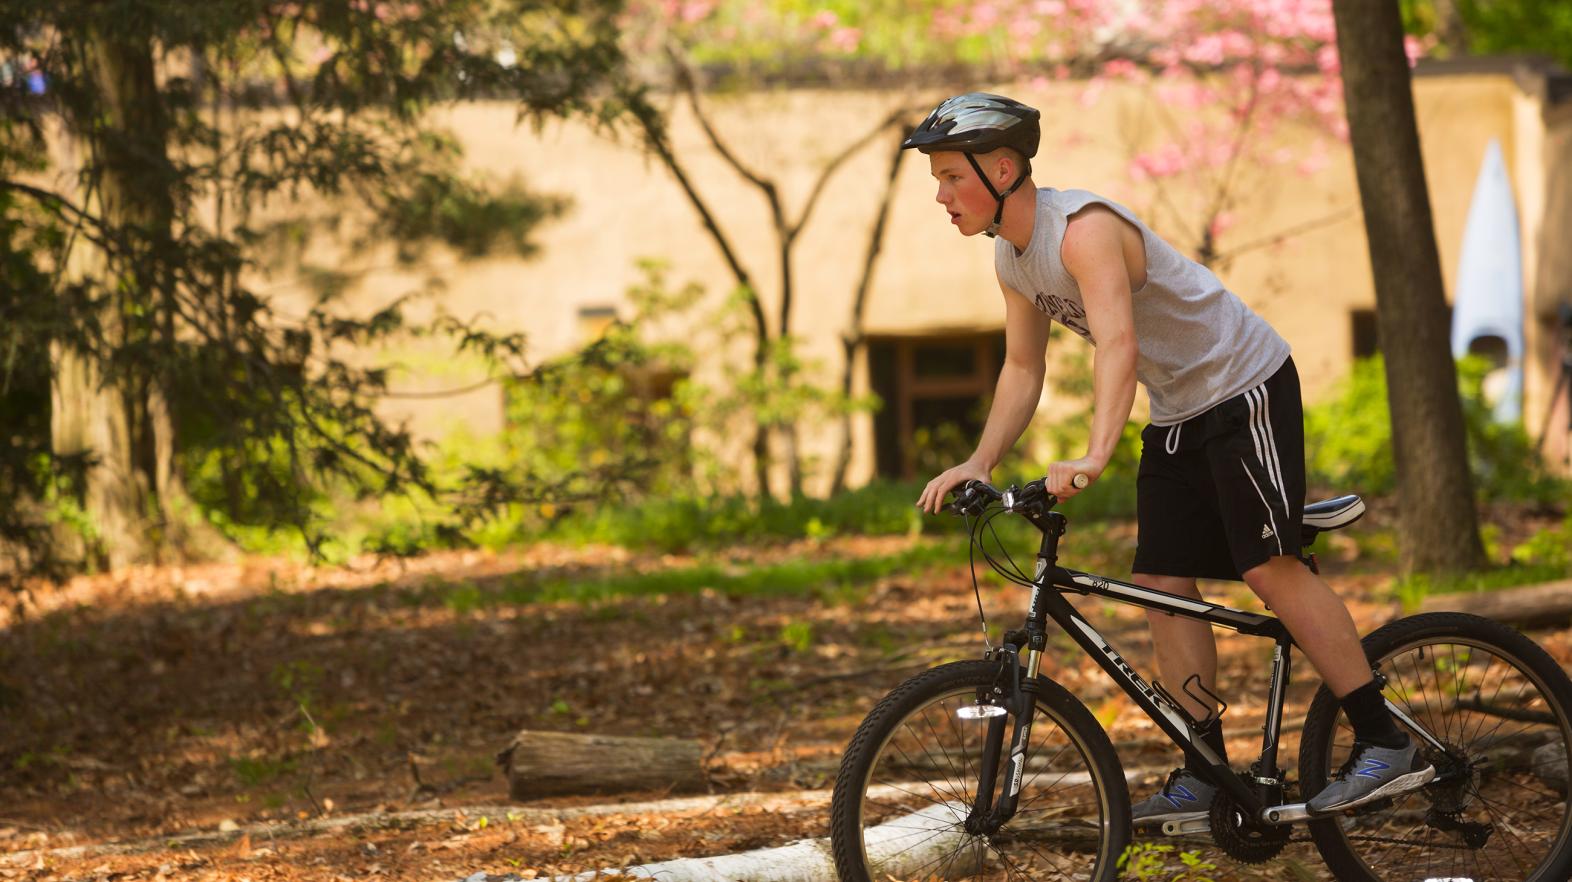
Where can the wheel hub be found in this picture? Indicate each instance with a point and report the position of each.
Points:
(1456, 781)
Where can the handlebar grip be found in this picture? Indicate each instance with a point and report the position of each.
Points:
(1080, 481)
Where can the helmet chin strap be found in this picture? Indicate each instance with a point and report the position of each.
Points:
(998, 213)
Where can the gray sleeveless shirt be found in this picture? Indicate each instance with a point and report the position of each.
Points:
(1198, 344)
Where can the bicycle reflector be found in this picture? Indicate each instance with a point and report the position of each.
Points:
(979, 711)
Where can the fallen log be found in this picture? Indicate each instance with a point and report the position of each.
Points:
(898, 848)
(559, 763)
(1546, 604)
(1550, 766)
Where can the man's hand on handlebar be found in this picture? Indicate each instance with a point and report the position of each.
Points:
(1065, 479)
(932, 499)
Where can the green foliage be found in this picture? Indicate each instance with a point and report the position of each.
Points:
(620, 403)
(1550, 547)
(627, 415)
(789, 578)
(29, 474)
(1348, 438)
(1545, 556)
(1348, 441)
(259, 771)
(1067, 437)
(1153, 862)
(690, 522)
(299, 681)
(1412, 589)
(797, 636)
(187, 182)
(807, 37)
(1491, 27)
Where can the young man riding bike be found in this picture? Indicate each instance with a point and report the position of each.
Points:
(1220, 489)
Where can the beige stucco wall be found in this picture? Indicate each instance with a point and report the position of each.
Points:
(929, 279)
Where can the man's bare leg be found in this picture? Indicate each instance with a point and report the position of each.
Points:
(1184, 647)
(1317, 618)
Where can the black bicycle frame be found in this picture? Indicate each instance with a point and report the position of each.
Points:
(1260, 794)
(1048, 602)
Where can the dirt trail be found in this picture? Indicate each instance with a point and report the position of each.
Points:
(163, 702)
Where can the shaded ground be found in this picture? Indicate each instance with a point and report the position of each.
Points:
(161, 701)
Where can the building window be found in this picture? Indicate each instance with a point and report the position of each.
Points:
(1367, 336)
(594, 321)
(1366, 339)
(936, 386)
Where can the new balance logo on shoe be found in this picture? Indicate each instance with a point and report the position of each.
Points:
(1266, 531)
(1180, 791)
(1371, 769)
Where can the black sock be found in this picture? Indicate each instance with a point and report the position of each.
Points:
(1366, 710)
(1212, 734)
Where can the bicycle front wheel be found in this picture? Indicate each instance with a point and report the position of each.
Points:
(909, 780)
(1497, 810)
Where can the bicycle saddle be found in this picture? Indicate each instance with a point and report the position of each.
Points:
(1331, 514)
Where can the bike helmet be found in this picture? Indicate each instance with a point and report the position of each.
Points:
(978, 122)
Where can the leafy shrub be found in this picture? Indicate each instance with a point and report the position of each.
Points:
(688, 522)
(1348, 440)
(1153, 862)
(1548, 547)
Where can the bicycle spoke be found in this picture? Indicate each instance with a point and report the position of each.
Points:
(1480, 703)
(931, 763)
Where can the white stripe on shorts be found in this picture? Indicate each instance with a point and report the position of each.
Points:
(1271, 518)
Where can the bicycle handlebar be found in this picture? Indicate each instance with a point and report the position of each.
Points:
(974, 496)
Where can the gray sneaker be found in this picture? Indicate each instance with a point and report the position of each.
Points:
(1373, 773)
(1184, 797)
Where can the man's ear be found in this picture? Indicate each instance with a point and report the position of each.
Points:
(1007, 169)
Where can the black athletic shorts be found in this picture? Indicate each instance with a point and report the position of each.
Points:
(1224, 491)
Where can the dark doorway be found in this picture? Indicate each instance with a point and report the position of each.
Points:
(940, 383)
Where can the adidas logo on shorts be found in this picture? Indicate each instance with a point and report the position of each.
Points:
(1266, 531)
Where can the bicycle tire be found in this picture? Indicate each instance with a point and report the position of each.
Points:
(869, 793)
(1439, 667)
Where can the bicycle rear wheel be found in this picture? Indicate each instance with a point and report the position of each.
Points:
(909, 779)
(1497, 810)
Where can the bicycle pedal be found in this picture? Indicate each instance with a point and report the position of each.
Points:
(1187, 828)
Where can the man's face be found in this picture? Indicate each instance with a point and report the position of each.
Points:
(961, 192)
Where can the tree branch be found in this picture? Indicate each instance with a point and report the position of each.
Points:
(655, 138)
(854, 336)
(892, 119)
(1289, 233)
(771, 192)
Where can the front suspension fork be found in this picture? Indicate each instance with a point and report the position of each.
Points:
(987, 816)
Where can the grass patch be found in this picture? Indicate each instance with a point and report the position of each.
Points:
(1412, 590)
(255, 772)
(782, 579)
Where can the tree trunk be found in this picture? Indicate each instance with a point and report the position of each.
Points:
(112, 416)
(88, 416)
(1440, 527)
(853, 340)
(554, 763)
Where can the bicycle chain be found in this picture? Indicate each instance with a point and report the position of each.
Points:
(1199, 839)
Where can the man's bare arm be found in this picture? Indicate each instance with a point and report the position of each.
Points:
(1020, 385)
(1094, 256)
(1015, 398)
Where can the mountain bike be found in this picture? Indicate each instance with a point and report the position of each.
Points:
(987, 769)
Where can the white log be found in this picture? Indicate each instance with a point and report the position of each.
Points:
(898, 847)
